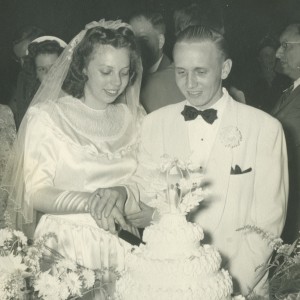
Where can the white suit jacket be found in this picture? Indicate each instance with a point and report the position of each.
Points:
(257, 197)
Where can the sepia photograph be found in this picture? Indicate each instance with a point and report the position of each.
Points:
(150, 150)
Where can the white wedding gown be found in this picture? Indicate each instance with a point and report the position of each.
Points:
(70, 151)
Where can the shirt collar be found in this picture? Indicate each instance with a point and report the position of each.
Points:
(155, 66)
(296, 83)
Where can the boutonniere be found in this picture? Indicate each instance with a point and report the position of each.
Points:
(231, 136)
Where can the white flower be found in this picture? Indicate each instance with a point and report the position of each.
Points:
(191, 200)
(239, 297)
(185, 184)
(5, 235)
(231, 136)
(74, 284)
(89, 278)
(47, 286)
(274, 242)
(66, 264)
(196, 178)
(10, 287)
(296, 259)
(192, 166)
(6, 287)
(11, 264)
(168, 163)
(20, 236)
(33, 253)
(63, 291)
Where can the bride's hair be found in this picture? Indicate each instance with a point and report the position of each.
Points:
(122, 37)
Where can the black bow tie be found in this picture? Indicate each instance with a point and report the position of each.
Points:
(191, 113)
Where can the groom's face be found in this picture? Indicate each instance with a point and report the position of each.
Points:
(200, 68)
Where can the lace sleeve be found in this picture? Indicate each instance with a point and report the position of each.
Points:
(41, 155)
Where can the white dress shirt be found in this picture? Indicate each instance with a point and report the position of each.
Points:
(154, 68)
(202, 134)
(296, 83)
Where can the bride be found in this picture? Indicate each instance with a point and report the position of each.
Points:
(77, 147)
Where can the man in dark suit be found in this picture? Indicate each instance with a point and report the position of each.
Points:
(287, 111)
(161, 89)
(150, 29)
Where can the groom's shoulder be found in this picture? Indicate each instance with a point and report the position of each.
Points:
(255, 116)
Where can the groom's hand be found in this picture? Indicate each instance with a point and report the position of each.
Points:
(143, 218)
(110, 222)
(102, 201)
(107, 207)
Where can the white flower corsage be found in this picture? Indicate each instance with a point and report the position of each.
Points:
(231, 136)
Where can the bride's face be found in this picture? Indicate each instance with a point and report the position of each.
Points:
(108, 75)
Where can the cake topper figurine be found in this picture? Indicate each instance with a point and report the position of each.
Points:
(183, 187)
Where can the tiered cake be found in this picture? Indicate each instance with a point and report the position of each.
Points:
(172, 265)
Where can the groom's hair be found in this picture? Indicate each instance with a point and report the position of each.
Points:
(203, 34)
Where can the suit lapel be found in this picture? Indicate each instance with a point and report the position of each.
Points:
(165, 62)
(219, 164)
(285, 102)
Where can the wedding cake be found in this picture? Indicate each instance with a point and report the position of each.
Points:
(172, 264)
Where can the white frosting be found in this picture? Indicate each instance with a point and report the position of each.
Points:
(173, 265)
(218, 287)
(173, 237)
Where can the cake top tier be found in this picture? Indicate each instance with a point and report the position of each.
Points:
(172, 236)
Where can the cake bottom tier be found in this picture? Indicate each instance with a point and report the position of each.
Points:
(218, 287)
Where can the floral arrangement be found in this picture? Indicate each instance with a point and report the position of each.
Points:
(284, 268)
(37, 272)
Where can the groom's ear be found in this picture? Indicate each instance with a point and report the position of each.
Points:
(226, 68)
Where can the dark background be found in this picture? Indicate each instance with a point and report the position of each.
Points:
(246, 22)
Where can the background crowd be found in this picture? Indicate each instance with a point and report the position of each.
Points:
(246, 22)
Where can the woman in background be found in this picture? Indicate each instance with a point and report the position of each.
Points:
(41, 55)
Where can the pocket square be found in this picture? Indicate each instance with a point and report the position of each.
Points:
(237, 170)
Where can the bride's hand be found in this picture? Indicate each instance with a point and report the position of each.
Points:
(102, 201)
(110, 222)
(143, 218)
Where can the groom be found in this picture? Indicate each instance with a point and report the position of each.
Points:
(240, 150)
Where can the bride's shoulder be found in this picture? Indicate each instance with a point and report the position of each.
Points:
(51, 106)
